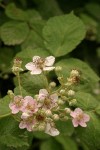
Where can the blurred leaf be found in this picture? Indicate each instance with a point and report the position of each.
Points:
(48, 9)
(14, 32)
(32, 41)
(67, 142)
(98, 109)
(65, 128)
(15, 13)
(91, 134)
(63, 33)
(4, 107)
(93, 9)
(33, 83)
(4, 59)
(33, 15)
(86, 101)
(50, 145)
(41, 135)
(10, 133)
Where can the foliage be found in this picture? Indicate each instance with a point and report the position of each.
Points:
(67, 31)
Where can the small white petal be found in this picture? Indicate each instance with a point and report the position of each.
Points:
(51, 130)
(43, 91)
(49, 61)
(48, 68)
(36, 71)
(30, 66)
(35, 58)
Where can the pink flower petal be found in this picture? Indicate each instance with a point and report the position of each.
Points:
(49, 61)
(73, 114)
(82, 123)
(78, 111)
(75, 122)
(22, 125)
(86, 117)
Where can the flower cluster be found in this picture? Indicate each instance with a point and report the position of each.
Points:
(40, 112)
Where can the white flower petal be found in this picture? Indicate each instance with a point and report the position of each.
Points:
(43, 91)
(36, 71)
(30, 66)
(48, 68)
(54, 97)
(43, 94)
(35, 58)
(49, 61)
(51, 130)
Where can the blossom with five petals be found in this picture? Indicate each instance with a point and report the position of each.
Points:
(79, 117)
(41, 64)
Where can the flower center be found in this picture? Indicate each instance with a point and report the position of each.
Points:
(39, 62)
(79, 117)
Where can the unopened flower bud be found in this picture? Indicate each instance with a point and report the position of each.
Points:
(17, 62)
(71, 93)
(60, 102)
(58, 68)
(56, 117)
(36, 96)
(75, 72)
(41, 127)
(11, 94)
(65, 118)
(64, 98)
(52, 84)
(62, 91)
(72, 102)
(67, 110)
(48, 113)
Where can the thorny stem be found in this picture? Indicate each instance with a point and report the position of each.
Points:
(19, 83)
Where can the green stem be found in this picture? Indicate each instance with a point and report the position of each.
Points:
(2, 116)
(19, 83)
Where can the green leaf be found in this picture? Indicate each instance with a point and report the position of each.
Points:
(93, 9)
(41, 135)
(10, 133)
(63, 33)
(34, 40)
(65, 128)
(98, 109)
(28, 54)
(86, 101)
(4, 59)
(48, 9)
(4, 107)
(50, 145)
(15, 13)
(67, 142)
(14, 32)
(33, 15)
(87, 73)
(91, 134)
(33, 83)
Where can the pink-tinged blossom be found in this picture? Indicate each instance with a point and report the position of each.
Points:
(40, 64)
(27, 123)
(30, 105)
(17, 104)
(79, 117)
(51, 130)
(49, 101)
